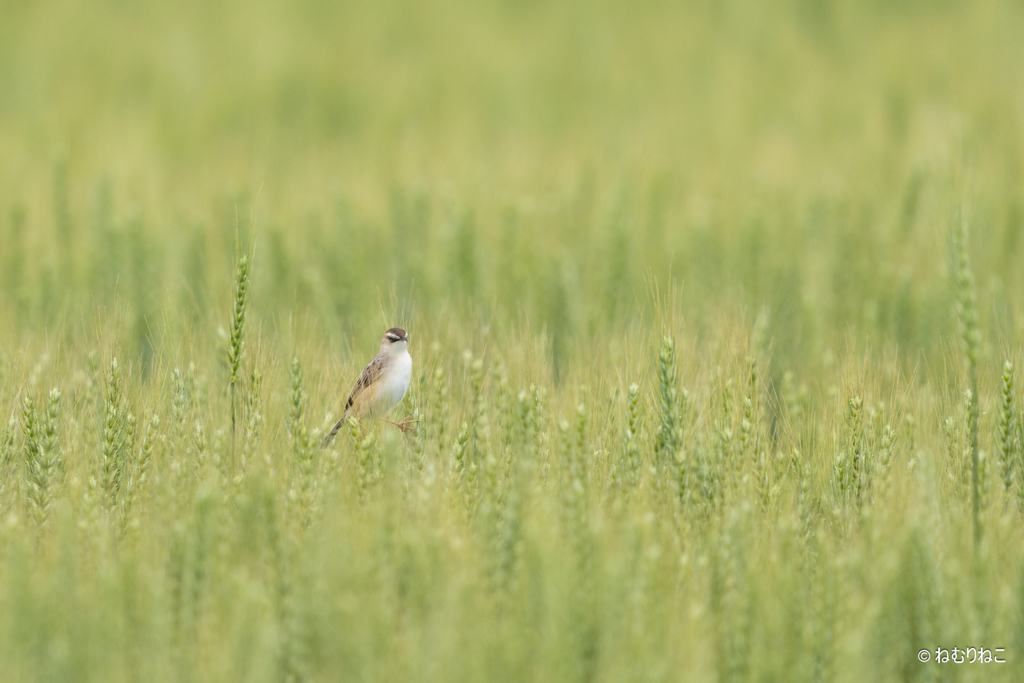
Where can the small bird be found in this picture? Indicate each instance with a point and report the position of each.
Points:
(382, 384)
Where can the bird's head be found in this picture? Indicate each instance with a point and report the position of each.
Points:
(395, 340)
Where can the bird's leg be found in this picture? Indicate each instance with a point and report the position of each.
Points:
(404, 425)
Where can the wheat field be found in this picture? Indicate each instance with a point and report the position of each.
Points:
(715, 311)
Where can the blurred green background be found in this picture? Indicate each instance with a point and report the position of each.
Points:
(801, 162)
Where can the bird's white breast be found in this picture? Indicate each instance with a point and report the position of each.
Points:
(395, 382)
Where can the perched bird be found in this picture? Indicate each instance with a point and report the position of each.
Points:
(382, 384)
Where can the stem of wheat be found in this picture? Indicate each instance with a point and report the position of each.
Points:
(237, 340)
(970, 333)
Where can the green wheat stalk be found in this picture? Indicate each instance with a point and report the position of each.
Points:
(236, 342)
(114, 424)
(667, 437)
(970, 336)
(365, 474)
(1007, 429)
(439, 407)
(849, 462)
(631, 447)
(858, 450)
(887, 452)
(51, 427)
(179, 416)
(297, 409)
(480, 429)
(36, 461)
(411, 408)
(8, 459)
(254, 412)
(465, 471)
(141, 467)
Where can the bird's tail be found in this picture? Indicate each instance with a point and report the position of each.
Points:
(333, 433)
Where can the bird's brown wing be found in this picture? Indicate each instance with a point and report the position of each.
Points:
(359, 395)
(369, 375)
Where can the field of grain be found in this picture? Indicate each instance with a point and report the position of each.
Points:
(716, 311)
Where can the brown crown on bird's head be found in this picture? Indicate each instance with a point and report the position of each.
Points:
(395, 334)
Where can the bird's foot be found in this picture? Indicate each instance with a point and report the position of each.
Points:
(405, 425)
